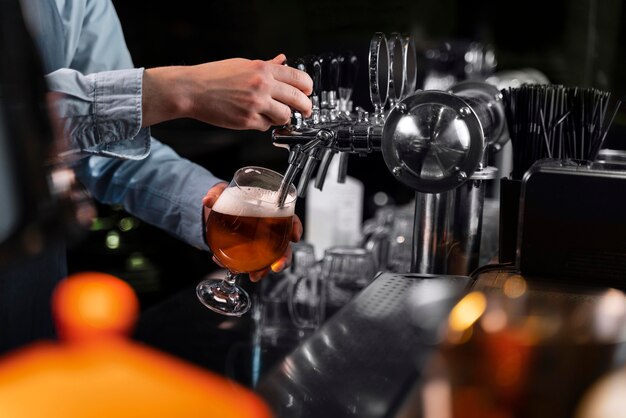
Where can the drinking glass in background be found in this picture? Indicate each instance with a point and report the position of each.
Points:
(345, 272)
(288, 307)
(246, 231)
(401, 242)
(389, 237)
(286, 310)
(516, 352)
(306, 302)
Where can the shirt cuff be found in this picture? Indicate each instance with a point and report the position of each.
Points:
(117, 104)
(102, 112)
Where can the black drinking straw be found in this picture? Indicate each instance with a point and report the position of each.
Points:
(553, 121)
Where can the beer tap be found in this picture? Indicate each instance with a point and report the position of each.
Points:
(348, 70)
(330, 83)
(314, 69)
(305, 156)
(361, 137)
(300, 64)
(321, 138)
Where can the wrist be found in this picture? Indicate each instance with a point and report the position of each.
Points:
(165, 95)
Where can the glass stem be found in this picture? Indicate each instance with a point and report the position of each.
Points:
(229, 282)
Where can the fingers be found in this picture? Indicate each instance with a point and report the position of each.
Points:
(283, 262)
(294, 85)
(277, 113)
(277, 266)
(216, 261)
(293, 97)
(296, 229)
(255, 276)
(214, 192)
(279, 59)
(294, 77)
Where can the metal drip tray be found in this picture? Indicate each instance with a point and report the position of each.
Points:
(365, 359)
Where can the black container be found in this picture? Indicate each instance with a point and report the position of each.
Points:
(509, 219)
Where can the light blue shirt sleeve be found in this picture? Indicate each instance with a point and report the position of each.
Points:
(101, 112)
(89, 63)
(163, 189)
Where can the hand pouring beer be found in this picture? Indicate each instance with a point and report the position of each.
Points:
(248, 231)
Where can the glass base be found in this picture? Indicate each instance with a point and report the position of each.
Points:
(220, 297)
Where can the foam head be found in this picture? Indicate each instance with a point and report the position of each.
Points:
(253, 202)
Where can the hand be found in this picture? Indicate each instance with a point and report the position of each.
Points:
(296, 233)
(235, 93)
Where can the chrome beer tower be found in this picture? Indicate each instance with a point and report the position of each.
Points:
(432, 141)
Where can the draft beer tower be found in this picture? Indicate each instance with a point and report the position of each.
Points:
(432, 141)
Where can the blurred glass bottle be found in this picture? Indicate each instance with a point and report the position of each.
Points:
(334, 215)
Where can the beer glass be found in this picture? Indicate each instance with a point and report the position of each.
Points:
(247, 231)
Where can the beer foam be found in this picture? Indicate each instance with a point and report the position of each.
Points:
(251, 201)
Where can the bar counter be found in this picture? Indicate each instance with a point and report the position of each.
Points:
(368, 360)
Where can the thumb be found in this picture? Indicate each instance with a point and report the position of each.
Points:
(214, 192)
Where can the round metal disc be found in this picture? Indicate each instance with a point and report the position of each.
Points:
(379, 70)
(432, 141)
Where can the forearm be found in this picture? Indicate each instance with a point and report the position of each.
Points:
(163, 189)
(235, 93)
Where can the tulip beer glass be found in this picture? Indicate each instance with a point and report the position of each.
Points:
(247, 231)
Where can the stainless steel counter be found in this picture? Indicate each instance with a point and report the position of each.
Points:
(367, 357)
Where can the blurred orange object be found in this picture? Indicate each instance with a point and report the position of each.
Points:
(96, 371)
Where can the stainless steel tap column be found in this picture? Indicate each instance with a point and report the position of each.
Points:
(432, 141)
(463, 252)
(448, 226)
(430, 232)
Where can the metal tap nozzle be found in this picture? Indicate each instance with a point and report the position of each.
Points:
(323, 138)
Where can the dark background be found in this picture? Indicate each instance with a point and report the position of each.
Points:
(573, 42)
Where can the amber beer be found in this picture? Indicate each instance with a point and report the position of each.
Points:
(245, 229)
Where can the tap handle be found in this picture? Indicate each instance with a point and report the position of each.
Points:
(297, 63)
(330, 72)
(348, 70)
(314, 69)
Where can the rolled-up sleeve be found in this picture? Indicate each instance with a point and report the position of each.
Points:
(101, 112)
